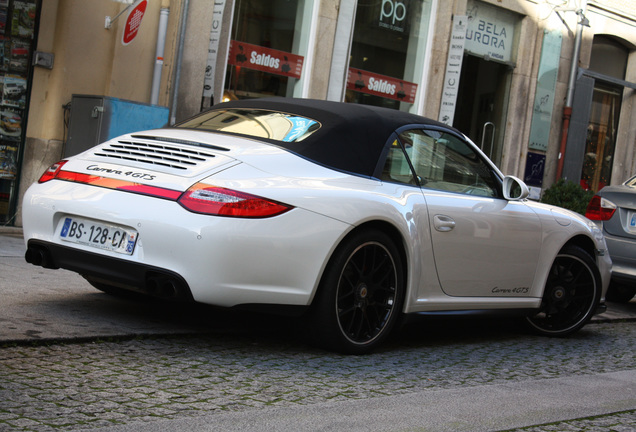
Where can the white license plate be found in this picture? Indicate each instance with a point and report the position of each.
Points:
(102, 236)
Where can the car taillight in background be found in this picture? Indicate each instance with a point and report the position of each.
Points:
(600, 209)
(52, 171)
(211, 200)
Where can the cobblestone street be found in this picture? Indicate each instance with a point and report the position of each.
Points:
(107, 383)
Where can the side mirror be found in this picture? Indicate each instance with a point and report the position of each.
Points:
(514, 189)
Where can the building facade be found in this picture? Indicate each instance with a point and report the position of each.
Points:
(544, 87)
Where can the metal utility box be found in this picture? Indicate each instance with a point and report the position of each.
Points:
(95, 119)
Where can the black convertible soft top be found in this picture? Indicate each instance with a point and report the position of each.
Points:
(351, 137)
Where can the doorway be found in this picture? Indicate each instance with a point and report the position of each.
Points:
(609, 58)
(601, 137)
(482, 102)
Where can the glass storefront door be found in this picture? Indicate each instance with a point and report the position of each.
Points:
(601, 137)
(609, 58)
(268, 47)
(486, 74)
(482, 101)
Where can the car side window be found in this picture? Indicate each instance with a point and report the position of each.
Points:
(397, 168)
(443, 161)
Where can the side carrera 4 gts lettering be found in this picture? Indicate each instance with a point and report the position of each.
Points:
(517, 290)
(133, 174)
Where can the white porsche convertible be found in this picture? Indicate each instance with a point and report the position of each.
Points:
(350, 214)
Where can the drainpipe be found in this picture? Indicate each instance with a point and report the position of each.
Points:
(177, 75)
(161, 44)
(567, 109)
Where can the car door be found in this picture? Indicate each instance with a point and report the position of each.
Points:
(483, 245)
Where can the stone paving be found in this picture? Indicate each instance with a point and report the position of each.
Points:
(82, 386)
(619, 422)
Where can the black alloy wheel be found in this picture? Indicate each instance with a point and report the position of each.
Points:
(361, 294)
(572, 293)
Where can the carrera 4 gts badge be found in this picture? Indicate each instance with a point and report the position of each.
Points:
(517, 290)
(132, 174)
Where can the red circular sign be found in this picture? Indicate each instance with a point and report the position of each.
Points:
(133, 22)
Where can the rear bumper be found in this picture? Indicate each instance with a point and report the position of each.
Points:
(152, 281)
(623, 254)
(214, 260)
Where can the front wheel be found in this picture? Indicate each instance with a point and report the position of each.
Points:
(361, 294)
(571, 295)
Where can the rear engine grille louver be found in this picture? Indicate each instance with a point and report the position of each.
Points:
(164, 155)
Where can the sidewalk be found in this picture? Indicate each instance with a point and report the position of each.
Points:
(485, 408)
(10, 230)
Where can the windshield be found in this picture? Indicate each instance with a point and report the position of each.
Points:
(274, 125)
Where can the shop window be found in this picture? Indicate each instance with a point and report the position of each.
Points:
(609, 57)
(387, 52)
(269, 42)
(17, 32)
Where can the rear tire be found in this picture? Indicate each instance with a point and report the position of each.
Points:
(360, 295)
(571, 295)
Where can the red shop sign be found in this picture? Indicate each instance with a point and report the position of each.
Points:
(381, 85)
(265, 59)
(133, 22)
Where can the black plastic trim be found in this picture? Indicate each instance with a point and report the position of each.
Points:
(113, 271)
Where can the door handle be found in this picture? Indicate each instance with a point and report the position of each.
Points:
(443, 223)
(492, 138)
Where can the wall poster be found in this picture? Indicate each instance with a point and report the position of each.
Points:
(17, 33)
(546, 88)
(453, 69)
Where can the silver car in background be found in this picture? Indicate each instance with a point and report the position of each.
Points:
(614, 211)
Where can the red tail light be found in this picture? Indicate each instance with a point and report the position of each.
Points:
(200, 198)
(122, 185)
(600, 209)
(52, 171)
(212, 200)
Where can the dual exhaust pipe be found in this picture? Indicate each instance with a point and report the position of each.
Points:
(40, 256)
(165, 287)
(152, 283)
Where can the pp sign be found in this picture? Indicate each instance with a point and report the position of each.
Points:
(393, 9)
(392, 14)
(133, 22)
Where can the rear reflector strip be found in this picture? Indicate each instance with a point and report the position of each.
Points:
(122, 185)
(200, 198)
